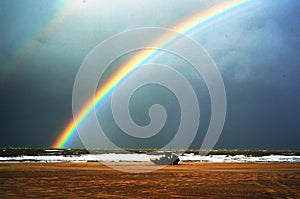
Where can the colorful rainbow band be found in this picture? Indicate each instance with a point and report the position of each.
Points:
(187, 26)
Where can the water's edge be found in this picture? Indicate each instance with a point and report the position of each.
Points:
(144, 155)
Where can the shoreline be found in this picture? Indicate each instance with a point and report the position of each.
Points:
(113, 157)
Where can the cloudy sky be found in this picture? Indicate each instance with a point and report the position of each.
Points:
(255, 48)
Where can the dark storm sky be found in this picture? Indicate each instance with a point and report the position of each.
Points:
(256, 51)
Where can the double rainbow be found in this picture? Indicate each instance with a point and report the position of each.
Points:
(187, 26)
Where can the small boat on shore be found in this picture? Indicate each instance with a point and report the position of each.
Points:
(169, 158)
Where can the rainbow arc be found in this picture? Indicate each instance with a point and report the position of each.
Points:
(187, 27)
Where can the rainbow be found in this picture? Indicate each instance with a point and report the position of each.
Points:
(29, 44)
(187, 26)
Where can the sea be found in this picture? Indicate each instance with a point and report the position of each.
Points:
(144, 155)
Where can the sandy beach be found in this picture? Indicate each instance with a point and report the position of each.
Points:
(187, 180)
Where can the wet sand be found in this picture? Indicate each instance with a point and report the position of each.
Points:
(187, 180)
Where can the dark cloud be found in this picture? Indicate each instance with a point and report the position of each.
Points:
(256, 50)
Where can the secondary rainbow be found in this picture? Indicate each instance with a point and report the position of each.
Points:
(187, 26)
(31, 42)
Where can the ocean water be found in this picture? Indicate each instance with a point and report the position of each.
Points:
(61, 156)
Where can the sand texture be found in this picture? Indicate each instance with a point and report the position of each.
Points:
(187, 180)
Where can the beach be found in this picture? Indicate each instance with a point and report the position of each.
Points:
(186, 180)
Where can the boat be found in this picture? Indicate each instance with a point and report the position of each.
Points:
(168, 158)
